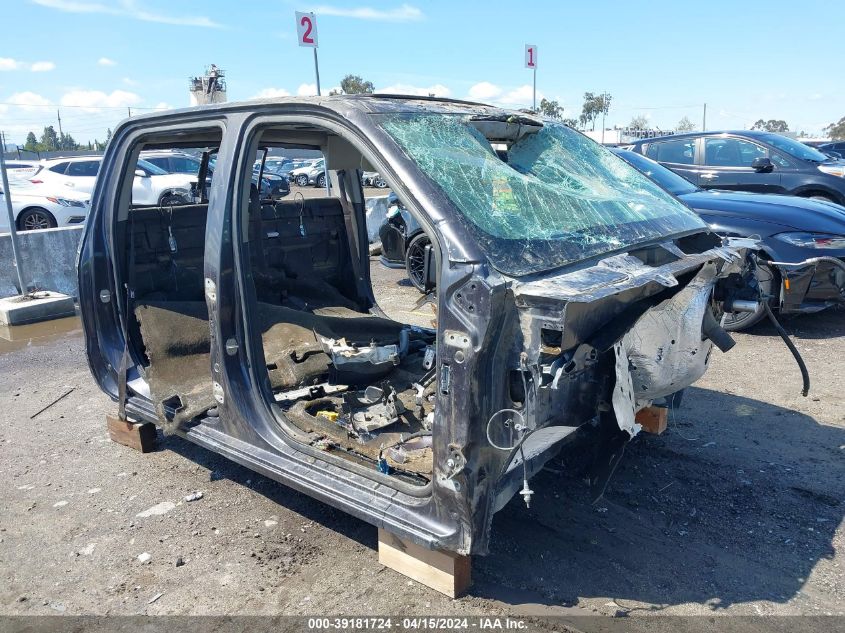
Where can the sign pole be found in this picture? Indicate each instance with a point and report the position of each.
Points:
(7, 195)
(317, 71)
(531, 62)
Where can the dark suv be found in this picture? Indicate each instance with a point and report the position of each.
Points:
(749, 161)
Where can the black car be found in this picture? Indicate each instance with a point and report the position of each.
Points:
(835, 149)
(273, 186)
(403, 242)
(762, 162)
(791, 229)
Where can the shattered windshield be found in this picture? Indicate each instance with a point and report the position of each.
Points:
(553, 198)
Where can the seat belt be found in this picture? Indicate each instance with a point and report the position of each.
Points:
(126, 359)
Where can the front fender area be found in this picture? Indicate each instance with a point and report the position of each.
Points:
(665, 351)
(596, 346)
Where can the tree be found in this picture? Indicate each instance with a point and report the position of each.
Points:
(67, 142)
(639, 122)
(354, 85)
(594, 105)
(772, 125)
(685, 125)
(551, 109)
(49, 139)
(836, 130)
(31, 144)
(573, 123)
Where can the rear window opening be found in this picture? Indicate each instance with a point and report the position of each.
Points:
(349, 379)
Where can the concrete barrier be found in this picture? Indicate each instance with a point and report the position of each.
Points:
(48, 258)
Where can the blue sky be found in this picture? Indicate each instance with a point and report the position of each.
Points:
(663, 60)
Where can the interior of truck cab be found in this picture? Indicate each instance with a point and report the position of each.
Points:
(345, 378)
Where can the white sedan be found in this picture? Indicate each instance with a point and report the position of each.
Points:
(37, 207)
(152, 185)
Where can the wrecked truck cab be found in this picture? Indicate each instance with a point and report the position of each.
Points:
(572, 292)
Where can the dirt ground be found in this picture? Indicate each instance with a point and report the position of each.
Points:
(736, 509)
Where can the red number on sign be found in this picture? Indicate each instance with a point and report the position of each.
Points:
(530, 56)
(306, 37)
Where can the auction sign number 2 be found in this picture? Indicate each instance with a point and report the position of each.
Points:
(306, 33)
(306, 29)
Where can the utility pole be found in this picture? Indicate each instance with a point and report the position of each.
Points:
(603, 112)
(59, 115)
(3, 139)
(129, 110)
(704, 119)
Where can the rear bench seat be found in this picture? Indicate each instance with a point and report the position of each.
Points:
(162, 273)
(303, 242)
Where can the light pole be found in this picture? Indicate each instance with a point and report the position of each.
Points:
(7, 195)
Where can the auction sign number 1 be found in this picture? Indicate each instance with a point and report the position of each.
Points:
(306, 33)
(531, 62)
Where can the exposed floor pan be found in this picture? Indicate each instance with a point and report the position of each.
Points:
(366, 413)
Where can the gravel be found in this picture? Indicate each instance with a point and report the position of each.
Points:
(736, 509)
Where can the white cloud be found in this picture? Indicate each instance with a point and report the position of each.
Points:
(29, 101)
(306, 90)
(129, 81)
(42, 67)
(404, 13)
(163, 105)
(93, 100)
(7, 63)
(406, 89)
(270, 93)
(519, 96)
(128, 9)
(484, 90)
(105, 61)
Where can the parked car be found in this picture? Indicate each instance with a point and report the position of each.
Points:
(404, 244)
(152, 185)
(762, 162)
(791, 229)
(20, 169)
(310, 174)
(173, 162)
(373, 179)
(835, 149)
(564, 306)
(39, 208)
(278, 165)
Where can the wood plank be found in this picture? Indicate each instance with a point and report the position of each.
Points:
(653, 419)
(141, 437)
(446, 572)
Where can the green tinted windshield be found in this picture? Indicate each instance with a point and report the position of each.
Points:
(553, 198)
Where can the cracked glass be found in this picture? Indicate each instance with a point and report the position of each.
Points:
(553, 197)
